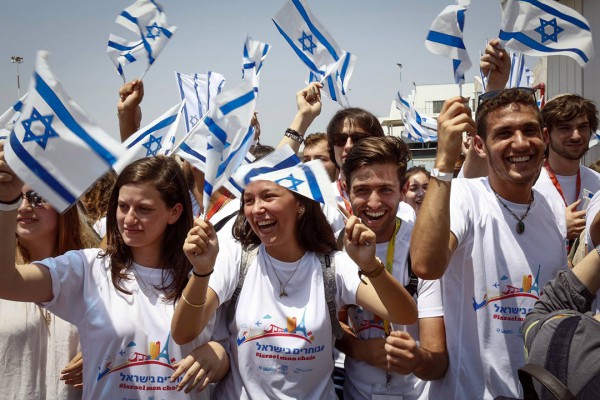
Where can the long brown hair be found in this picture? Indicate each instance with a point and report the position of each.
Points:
(313, 231)
(166, 176)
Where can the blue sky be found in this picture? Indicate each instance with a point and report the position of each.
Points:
(210, 36)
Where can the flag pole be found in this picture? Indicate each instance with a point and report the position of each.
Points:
(187, 135)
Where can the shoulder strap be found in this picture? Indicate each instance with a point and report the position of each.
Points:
(328, 269)
(550, 382)
(248, 254)
(413, 282)
(219, 225)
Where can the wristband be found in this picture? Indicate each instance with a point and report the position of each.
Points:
(442, 176)
(294, 135)
(372, 274)
(10, 206)
(202, 275)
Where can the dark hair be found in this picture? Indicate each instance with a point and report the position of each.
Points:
(415, 169)
(314, 233)
(315, 138)
(373, 150)
(503, 99)
(95, 200)
(165, 174)
(261, 150)
(356, 117)
(566, 107)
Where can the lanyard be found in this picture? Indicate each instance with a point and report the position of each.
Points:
(389, 265)
(556, 183)
(217, 205)
(345, 197)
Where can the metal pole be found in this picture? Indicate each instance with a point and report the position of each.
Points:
(17, 60)
(400, 66)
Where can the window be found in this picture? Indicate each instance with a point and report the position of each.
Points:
(437, 106)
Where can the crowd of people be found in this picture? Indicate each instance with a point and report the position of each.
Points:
(421, 285)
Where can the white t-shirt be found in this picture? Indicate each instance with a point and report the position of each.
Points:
(493, 279)
(592, 210)
(590, 180)
(34, 352)
(126, 342)
(281, 347)
(362, 379)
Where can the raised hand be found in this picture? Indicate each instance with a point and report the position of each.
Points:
(10, 184)
(201, 246)
(495, 64)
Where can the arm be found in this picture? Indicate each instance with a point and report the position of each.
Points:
(381, 294)
(206, 364)
(429, 360)
(496, 60)
(72, 373)
(128, 108)
(371, 351)
(308, 101)
(31, 282)
(190, 318)
(432, 243)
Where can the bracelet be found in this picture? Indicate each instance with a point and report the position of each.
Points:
(442, 176)
(10, 206)
(372, 274)
(202, 275)
(294, 135)
(192, 304)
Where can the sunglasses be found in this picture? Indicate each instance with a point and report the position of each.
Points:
(494, 93)
(33, 199)
(340, 139)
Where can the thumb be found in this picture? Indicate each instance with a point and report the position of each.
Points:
(574, 205)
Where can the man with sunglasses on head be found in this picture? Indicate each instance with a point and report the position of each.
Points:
(493, 241)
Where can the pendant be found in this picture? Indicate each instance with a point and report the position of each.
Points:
(282, 292)
(520, 227)
(48, 318)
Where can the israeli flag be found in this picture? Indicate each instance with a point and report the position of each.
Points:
(156, 138)
(417, 128)
(314, 46)
(445, 38)
(10, 116)
(146, 19)
(336, 78)
(198, 92)
(545, 28)
(55, 148)
(255, 53)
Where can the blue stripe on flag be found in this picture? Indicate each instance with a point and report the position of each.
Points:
(40, 171)
(129, 57)
(331, 87)
(67, 119)
(18, 105)
(160, 125)
(128, 16)
(344, 70)
(460, 18)
(237, 102)
(233, 183)
(315, 190)
(291, 161)
(448, 40)
(553, 11)
(298, 52)
(182, 94)
(249, 136)
(121, 47)
(216, 130)
(526, 40)
(314, 30)
(186, 148)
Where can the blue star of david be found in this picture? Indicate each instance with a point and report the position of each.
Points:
(295, 182)
(542, 30)
(193, 120)
(46, 120)
(152, 140)
(153, 31)
(307, 47)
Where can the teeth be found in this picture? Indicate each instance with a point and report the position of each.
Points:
(372, 214)
(519, 159)
(264, 223)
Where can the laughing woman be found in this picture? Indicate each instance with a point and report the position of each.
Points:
(281, 334)
(121, 300)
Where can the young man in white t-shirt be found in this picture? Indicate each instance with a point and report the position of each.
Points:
(494, 242)
(399, 366)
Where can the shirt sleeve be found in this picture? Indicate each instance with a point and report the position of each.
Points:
(227, 270)
(460, 208)
(592, 210)
(346, 279)
(429, 299)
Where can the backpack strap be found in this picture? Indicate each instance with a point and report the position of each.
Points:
(248, 254)
(219, 225)
(328, 269)
(549, 382)
(413, 280)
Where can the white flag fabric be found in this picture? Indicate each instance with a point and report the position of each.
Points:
(281, 158)
(417, 128)
(198, 92)
(10, 116)
(255, 52)
(156, 138)
(314, 46)
(545, 28)
(146, 19)
(55, 148)
(336, 78)
(445, 38)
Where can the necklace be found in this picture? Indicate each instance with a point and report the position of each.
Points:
(282, 292)
(520, 228)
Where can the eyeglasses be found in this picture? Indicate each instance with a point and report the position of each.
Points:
(33, 199)
(494, 93)
(340, 139)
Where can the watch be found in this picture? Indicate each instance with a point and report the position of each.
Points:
(442, 176)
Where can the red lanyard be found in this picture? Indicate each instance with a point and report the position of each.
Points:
(556, 183)
(344, 197)
(218, 204)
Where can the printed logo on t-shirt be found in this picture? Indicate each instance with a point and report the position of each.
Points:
(504, 289)
(152, 364)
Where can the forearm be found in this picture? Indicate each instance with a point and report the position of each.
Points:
(7, 252)
(193, 311)
(433, 364)
(588, 271)
(348, 343)
(223, 360)
(129, 121)
(300, 124)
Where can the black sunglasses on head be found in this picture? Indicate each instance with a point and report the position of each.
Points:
(494, 93)
(34, 199)
(340, 139)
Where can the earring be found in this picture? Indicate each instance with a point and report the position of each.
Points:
(301, 210)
